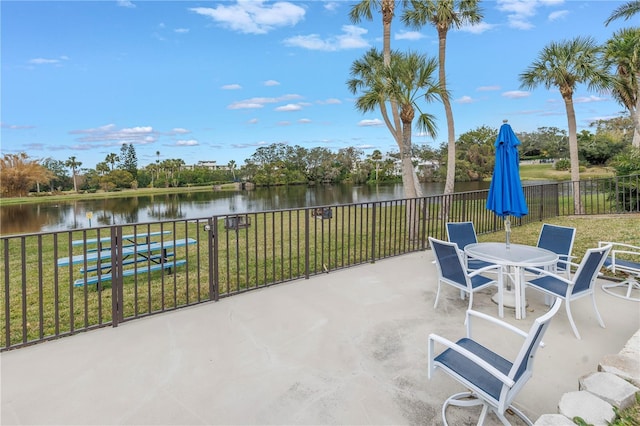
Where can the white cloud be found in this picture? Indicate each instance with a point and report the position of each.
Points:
(350, 39)
(261, 102)
(126, 3)
(181, 30)
(179, 131)
(488, 88)
(272, 83)
(253, 121)
(520, 12)
(516, 94)
(304, 121)
(110, 133)
(283, 123)
(45, 61)
(330, 101)
(190, 142)
(376, 122)
(253, 17)
(16, 126)
(289, 107)
(231, 87)
(465, 100)
(588, 99)
(332, 6)
(408, 35)
(477, 28)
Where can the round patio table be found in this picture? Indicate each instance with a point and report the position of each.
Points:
(516, 257)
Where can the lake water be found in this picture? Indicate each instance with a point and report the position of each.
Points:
(58, 216)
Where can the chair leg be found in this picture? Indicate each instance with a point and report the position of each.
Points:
(462, 399)
(595, 308)
(631, 284)
(435, 305)
(469, 399)
(573, 324)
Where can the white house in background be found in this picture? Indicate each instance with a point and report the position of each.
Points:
(208, 164)
(419, 165)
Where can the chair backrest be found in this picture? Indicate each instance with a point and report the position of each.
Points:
(523, 364)
(558, 239)
(449, 263)
(461, 233)
(588, 270)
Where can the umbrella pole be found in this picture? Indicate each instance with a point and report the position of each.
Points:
(507, 228)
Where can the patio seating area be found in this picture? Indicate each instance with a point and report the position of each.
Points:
(346, 347)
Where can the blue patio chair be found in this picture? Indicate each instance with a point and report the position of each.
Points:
(624, 258)
(493, 381)
(463, 234)
(581, 285)
(452, 271)
(559, 239)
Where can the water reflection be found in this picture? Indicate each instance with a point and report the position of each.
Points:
(191, 205)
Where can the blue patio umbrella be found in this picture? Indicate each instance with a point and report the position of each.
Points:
(506, 197)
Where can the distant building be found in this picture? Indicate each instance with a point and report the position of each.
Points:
(208, 164)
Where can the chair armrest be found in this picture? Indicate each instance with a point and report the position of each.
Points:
(484, 269)
(552, 274)
(635, 249)
(470, 356)
(471, 313)
(633, 253)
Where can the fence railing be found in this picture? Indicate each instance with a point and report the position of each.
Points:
(56, 284)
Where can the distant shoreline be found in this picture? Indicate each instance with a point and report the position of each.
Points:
(528, 172)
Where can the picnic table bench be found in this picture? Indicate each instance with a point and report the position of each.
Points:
(155, 255)
(132, 239)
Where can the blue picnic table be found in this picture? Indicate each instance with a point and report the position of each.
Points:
(155, 255)
(131, 239)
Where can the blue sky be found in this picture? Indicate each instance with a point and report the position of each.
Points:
(212, 80)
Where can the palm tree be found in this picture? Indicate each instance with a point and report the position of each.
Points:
(622, 52)
(232, 167)
(112, 159)
(376, 156)
(73, 164)
(157, 165)
(444, 15)
(411, 78)
(565, 65)
(625, 11)
(407, 79)
(387, 8)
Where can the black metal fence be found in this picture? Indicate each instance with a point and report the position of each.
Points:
(58, 283)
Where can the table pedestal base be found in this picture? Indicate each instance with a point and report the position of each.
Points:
(508, 298)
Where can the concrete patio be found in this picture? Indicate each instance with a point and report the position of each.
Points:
(348, 347)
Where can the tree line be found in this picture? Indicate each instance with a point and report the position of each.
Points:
(281, 164)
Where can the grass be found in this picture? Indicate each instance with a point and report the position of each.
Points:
(529, 172)
(140, 192)
(589, 231)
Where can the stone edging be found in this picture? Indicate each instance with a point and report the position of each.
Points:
(615, 384)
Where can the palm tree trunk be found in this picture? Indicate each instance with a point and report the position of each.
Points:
(409, 180)
(573, 155)
(451, 135)
(636, 123)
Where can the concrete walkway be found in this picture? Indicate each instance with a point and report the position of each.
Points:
(348, 347)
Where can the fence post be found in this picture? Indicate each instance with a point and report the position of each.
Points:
(373, 232)
(214, 279)
(307, 215)
(116, 275)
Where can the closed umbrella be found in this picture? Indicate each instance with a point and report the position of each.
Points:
(506, 197)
